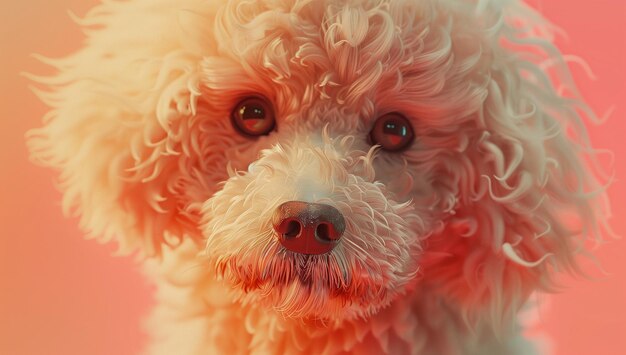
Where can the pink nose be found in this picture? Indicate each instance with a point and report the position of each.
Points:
(308, 228)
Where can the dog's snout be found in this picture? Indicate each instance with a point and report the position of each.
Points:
(308, 228)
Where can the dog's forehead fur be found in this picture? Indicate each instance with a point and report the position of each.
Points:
(366, 57)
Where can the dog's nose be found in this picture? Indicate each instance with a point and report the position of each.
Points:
(308, 228)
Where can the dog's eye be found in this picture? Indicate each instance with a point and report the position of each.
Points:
(253, 116)
(392, 131)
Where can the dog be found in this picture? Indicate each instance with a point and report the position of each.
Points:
(327, 177)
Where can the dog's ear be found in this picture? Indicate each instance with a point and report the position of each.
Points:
(532, 194)
(120, 113)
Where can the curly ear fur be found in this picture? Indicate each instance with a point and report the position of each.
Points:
(121, 106)
(530, 192)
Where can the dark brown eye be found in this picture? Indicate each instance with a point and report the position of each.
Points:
(392, 131)
(253, 116)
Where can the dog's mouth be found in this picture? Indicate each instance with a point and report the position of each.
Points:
(329, 274)
(324, 286)
(353, 279)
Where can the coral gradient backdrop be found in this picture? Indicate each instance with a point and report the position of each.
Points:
(60, 294)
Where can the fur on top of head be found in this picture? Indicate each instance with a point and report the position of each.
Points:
(498, 189)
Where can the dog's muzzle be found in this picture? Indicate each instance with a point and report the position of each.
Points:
(308, 228)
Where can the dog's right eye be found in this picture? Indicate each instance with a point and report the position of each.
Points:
(253, 116)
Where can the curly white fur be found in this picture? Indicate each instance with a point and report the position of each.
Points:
(445, 241)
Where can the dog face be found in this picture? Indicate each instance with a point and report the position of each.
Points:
(332, 156)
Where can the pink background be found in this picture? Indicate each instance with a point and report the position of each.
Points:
(61, 294)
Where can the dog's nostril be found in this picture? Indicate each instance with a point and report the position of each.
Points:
(293, 229)
(322, 232)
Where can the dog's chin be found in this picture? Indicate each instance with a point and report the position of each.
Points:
(307, 287)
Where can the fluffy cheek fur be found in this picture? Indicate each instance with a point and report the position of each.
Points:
(375, 261)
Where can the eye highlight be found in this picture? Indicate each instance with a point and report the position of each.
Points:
(393, 132)
(253, 116)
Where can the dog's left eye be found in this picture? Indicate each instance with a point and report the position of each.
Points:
(253, 116)
(393, 132)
